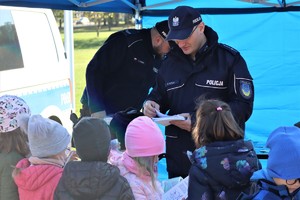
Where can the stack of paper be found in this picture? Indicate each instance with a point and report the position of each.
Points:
(165, 119)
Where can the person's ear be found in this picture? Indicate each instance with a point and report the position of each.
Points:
(158, 40)
(201, 27)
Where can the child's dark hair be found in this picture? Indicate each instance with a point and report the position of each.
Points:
(15, 140)
(215, 122)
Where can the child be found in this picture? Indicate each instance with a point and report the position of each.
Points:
(13, 143)
(143, 142)
(223, 162)
(281, 178)
(92, 177)
(38, 176)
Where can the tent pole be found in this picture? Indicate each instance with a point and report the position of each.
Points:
(69, 48)
(138, 17)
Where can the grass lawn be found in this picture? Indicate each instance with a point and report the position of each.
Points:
(86, 44)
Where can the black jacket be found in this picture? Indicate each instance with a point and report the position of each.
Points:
(222, 170)
(219, 71)
(92, 181)
(121, 72)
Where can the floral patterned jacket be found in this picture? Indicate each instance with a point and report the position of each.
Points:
(222, 170)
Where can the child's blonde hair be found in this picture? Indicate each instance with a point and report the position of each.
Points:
(215, 122)
(147, 164)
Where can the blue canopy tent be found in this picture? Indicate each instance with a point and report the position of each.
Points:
(266, 32)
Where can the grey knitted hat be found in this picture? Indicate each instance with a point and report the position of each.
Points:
(46, 137)
(92, 139)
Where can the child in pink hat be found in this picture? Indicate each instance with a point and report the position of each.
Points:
(143, 142)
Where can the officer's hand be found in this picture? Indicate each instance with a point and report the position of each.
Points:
(100, 114)
(149, 108)
(183, 124)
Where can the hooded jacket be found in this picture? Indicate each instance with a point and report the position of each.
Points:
(268, 190)
(219, 72)
(222, 170)
(37, 181)
(92, 181)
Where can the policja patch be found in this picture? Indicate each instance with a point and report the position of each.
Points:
(246, 89)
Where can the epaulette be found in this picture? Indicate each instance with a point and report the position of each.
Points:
(133, 36)
(229, 48)
(130, 31)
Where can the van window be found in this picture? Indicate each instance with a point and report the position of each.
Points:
(10, 52)
(37, 45)
(33, 64)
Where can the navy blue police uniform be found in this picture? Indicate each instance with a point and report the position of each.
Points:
(121, 72)
(218, 72)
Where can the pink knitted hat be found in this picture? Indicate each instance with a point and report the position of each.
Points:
(143, 138)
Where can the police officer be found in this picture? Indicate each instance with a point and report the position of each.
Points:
(123, 70)
(198, 66)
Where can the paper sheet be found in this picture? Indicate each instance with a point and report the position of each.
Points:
(178, 192)
(164, 119)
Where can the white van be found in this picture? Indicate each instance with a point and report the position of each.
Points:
(33, 63)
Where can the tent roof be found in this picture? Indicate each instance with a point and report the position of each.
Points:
(162, 7)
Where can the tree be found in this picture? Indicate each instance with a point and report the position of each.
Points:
(59, 16)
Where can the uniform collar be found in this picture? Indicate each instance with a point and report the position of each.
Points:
(212, 41)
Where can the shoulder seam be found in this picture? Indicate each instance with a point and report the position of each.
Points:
(229, 48)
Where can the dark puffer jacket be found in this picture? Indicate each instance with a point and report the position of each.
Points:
(222, 170)
(92, 181)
